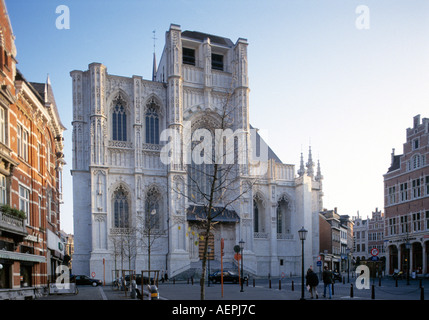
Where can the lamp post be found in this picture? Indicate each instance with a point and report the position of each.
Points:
(302, 236)
(241, 243)
(408, 247)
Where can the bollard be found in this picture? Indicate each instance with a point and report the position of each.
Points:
(269, 283)
(379, 281)
(422, 293)
(192, 280)
(293, 287)
(351, 290)
(280, 284)
(372, 292)
(253, 283)
(332, 289)
(344, 280)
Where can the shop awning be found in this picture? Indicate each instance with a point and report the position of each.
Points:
(18, 256)
(198, 213)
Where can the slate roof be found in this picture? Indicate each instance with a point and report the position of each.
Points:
(200, 36)
(396, 163)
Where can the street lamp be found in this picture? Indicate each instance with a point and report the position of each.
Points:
(302, 236)
(408, 247)
(241, 243)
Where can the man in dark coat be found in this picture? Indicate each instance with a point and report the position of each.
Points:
(327, 281)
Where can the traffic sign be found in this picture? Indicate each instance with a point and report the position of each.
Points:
(237, 256)
(374, 252)
(319, 263)
(319, 258)
(93, 274)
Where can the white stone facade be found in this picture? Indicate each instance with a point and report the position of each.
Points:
(117, 169)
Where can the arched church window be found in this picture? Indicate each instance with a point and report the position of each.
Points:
(121, 209)
(201, 175)
(283, 217)
(152, 124)
(153, 209)
(255, 216)
(279, 219)
(119, 122)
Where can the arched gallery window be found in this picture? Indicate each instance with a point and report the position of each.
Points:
(121, 208)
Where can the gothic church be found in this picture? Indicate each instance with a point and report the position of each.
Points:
(121, 185)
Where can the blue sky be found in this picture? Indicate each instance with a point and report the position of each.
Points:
(315, 78)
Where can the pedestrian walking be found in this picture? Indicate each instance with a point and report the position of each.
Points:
(327, 282)
(311, 282)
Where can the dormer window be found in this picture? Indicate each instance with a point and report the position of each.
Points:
(188, 56)
(217, 61)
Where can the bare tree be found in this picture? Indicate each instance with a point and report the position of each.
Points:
(150, 225)
(217, 174)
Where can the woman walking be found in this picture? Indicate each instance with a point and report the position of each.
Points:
(311, 282)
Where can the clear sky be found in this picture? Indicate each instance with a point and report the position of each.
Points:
(315, 77)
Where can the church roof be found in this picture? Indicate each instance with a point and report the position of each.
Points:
(200, 36)
(271, 154)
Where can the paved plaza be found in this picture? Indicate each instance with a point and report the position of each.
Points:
(262, 289)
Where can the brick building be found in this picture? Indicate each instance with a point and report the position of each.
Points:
(330, 238)
(31, 160)
(406, 197)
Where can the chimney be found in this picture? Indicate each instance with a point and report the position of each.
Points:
(393, 156)
(416, 121)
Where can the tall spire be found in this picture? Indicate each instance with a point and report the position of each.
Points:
(301, 170)
(154, 67)
(310, 164)
(319, 172)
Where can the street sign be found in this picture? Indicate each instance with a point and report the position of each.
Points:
(374, 252)
(319, 263)
(375, 258)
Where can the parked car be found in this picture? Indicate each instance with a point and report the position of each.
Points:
(85, 280)
(138, 278)
(228, 276)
